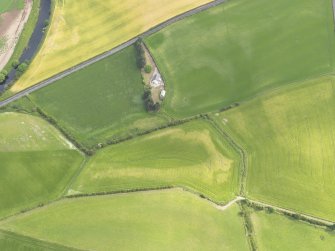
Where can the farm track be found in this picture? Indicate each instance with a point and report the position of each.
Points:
(110, 52)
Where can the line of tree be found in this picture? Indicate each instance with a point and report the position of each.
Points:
(140, 54)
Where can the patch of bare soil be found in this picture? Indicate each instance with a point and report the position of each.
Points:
(11, 26)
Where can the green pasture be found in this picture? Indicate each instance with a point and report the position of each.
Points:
(289, 137)
(194, 156)
(36, 162)
(8, 5)
(276, 233)
(100, 101)
(14, 242)
(241, 48)
(166, 220)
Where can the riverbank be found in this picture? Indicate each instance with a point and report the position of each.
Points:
(31, 38)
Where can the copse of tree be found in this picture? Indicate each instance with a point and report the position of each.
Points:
(150, 105)
(140, 54)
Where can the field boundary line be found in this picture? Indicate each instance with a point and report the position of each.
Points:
(248, 227)
(108, 53)
(36, 242)
(240, 150)
(289, 212)
(75, 176)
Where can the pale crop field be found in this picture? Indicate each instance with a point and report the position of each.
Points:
(167, 220)
(102, 101)
(36, 162)
(241, 48)
(194, 156)
(83, 29)
(276, 233)
(289, 137)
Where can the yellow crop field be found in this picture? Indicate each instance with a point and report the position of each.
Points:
(100, 26)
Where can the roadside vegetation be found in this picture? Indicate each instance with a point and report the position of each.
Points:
(166, 220)
(288, 136)
(36, 162)
(241, 48)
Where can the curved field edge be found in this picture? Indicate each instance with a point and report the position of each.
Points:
(241, 48)
(36, 162)
(126, 24)
(289, 146)
(193, 155)
(135, 221)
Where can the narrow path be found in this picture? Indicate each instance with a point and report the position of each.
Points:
(111, 52)
(229, 204)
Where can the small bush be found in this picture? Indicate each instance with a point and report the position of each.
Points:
(147, 68)
(4, 72)
(22, 67)
(15, 63)
(2, 77)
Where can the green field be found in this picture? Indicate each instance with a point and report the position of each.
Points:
(14, 242)
(276, 233)
(241, 48)
(100, 101)
(193, 155)
(167, 220)
(36, 162)
(289, 136)
(8, 5)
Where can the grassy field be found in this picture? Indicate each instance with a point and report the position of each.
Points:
(101, 26)
(11, 241)
(193, 155)
(276, 233)
(241, 48)
(167, 220)
(100, 101)
(289, 136)
(8, 5)
(36, 162)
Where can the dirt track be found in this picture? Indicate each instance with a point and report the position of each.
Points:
(11, 28)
